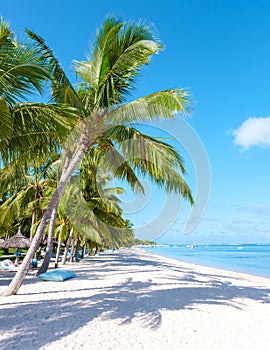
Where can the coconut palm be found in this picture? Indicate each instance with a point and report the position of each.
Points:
(90, 226)
(28, 130)
(27, 191)
(107, 77)
(23, 71)
(19, 75)
(24, 134)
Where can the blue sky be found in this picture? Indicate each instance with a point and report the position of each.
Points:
(219, 51)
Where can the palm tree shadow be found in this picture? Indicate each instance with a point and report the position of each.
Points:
(129, 301)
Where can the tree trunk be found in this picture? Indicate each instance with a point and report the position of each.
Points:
(91, 252)
(67, 247)
(83, 249)
(19, 277)
(17, 260)
(77, 249)
(90, 247)
(57, 254)
(34, 214)
(24, 267)
(47, 258)
(72, 249)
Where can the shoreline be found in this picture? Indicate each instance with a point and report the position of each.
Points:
(219, 264)
(217, 269)
(132, 299)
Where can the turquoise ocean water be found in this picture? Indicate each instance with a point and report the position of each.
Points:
(253, 259)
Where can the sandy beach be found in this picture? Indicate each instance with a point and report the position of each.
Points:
(134, 300)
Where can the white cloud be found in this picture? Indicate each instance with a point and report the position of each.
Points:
(253, 132)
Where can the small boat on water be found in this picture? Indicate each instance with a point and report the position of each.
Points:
(191, 246)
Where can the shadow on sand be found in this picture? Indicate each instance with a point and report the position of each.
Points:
(125, 302)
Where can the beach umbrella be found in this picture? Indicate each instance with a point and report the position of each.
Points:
(17, 241)
(2, 242)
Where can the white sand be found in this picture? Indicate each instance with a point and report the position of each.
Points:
(134, 300)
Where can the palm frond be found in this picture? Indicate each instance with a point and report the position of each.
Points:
(5, 126)
(119, 53)
(163, 104)
(110, 159)
(5, 32)
(151, 157)
(22, 70)
(34, 135)
(62, 89)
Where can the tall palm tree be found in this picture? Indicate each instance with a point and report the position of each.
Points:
(108, 75)
(23, 133)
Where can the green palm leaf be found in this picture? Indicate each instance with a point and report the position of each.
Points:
(111, 160)
(117, 57)
(150, 157)
(62, 90)
(163, 104)
(21, 68)
(5, 125)
(34, 136)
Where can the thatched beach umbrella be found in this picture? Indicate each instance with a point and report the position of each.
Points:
(18, 241)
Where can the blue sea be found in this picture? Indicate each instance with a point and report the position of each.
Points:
(252, 259)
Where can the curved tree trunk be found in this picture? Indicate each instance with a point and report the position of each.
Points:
(19, 277)
(47, 258)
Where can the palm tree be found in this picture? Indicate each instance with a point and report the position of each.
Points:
(23, 133)
(23, 71)
(19, 75)
(28, 192)
(100, 209)
(107, 77)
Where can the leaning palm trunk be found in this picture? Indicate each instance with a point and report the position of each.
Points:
(84, 144)
(47, 258)
(20, 275)
(120, 52)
